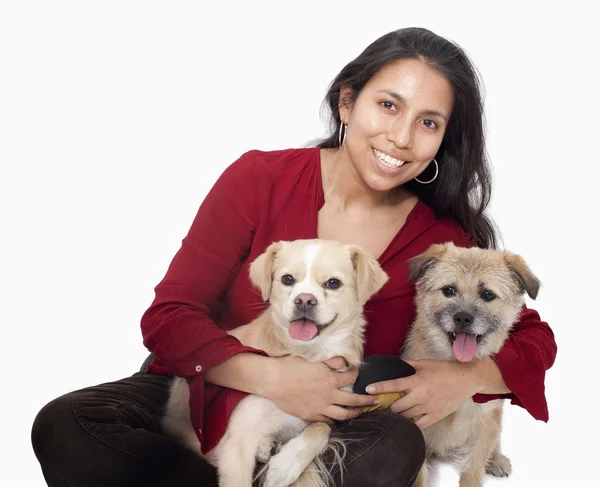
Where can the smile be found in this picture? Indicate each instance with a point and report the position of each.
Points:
(325, 325)
(305, 329)
(388, 160)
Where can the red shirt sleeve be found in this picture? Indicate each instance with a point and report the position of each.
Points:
(523, 361)
(179, 327)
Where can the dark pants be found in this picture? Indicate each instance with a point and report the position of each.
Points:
(109, 436)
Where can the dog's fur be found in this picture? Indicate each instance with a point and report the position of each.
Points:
(257, 424)
(471, 434)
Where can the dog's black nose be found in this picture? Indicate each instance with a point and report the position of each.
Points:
(305, 301)
(463, 319)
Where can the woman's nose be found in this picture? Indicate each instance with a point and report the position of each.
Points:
(400, 132)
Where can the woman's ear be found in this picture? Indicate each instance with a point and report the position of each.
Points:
(345, 103)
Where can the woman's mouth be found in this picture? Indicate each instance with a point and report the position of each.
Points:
(387, 160)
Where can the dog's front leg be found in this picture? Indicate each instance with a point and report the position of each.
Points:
(252, 424)
(286, 466)
(237, 459)
(475, 466)
(498, 464)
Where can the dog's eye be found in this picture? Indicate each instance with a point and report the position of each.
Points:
(333, 283)
(449, 291)
(487, 295)
(287, 279)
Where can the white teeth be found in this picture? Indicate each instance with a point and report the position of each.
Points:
(387, 160)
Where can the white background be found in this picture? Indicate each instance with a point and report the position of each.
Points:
(116, 117)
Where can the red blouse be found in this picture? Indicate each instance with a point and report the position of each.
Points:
(264, 197)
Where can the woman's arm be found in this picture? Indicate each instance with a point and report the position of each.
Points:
(522, 362)
(306, 390)
(517, 371)
(179, 325)
(487, 375)
(179, 328)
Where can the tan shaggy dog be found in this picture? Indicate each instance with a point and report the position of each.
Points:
(467, 300)
(316, 291)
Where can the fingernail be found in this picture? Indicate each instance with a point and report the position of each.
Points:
(370, 389)
(376, 401)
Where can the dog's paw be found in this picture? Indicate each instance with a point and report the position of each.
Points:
(499, 465)
(282, 471)
(266, 450)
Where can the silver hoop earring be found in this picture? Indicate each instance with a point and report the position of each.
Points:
(433, 178)
(340, 138)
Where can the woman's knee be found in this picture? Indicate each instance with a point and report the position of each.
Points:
(52, 426)
(385, 449)
(407, 437)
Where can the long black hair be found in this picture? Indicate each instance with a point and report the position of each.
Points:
(463, 186)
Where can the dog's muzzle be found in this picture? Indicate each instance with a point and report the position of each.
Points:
(304, 327)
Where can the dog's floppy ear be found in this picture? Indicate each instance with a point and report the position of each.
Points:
(261, 270)
(419, 264)
(529, 282)
(370, 277)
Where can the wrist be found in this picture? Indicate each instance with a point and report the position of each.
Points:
(267, 377)
(472, 376)
(477, 376)
(245, 372)
(259, 374)
(487, 378)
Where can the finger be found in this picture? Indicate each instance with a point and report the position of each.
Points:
(320, 417)
(396, 385)
(425, 421)
(404, 403)
(413, 413)
(354, 400)
(415, 364)
(339, 413)
(336, 363)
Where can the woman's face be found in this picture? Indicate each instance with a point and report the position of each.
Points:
(397, 123)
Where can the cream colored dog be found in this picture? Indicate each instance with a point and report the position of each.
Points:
(316, 291)
(467, 301)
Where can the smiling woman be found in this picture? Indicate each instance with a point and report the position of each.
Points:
(403, 167)
(414, 103)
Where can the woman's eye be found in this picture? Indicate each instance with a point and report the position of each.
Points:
(449, 291)
(388, 105)
(333, 283)
(288, 280)
(429, 123)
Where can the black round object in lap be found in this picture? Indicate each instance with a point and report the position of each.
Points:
(377, 368)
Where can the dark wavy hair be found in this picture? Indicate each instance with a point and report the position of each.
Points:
(463, 186)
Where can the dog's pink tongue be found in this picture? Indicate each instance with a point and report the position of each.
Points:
(464, 347)
(302, 330)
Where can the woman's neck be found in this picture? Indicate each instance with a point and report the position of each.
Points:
(344, 188)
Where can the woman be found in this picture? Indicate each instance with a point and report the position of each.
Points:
(403, 168)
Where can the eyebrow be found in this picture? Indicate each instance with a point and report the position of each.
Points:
(398, 97)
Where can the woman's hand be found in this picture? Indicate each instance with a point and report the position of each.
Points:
(311, 391)
(433, 392)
